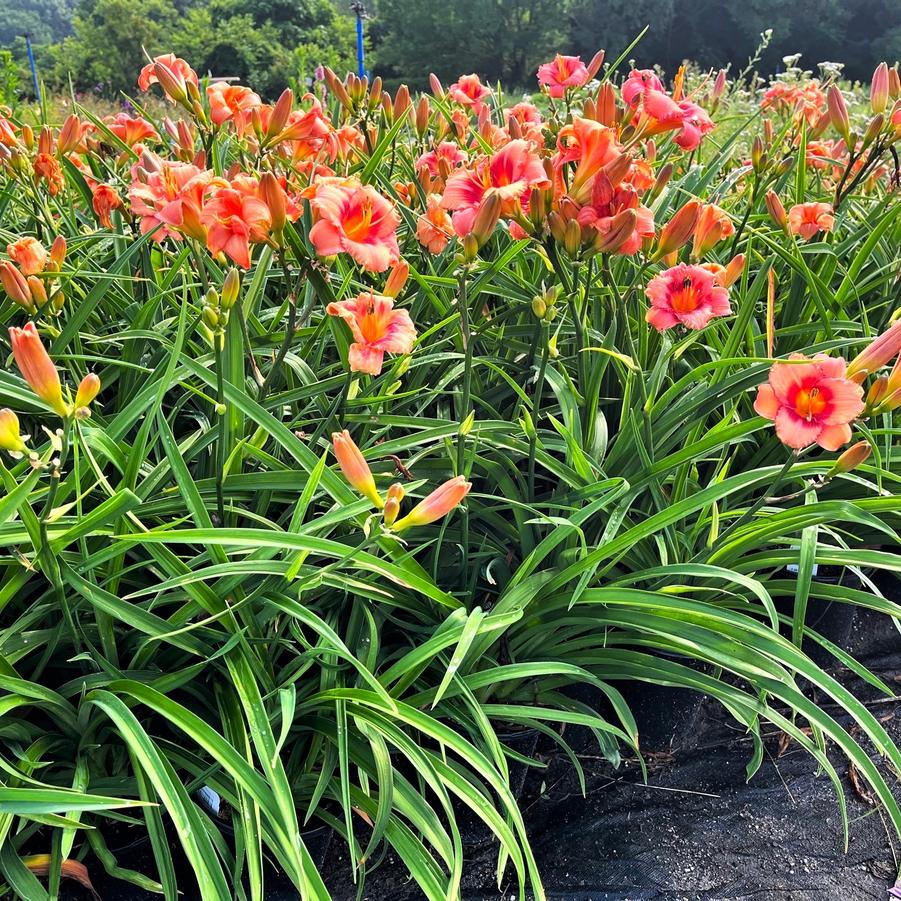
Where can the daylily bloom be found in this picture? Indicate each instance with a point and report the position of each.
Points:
(434, 227)
(469, 90)
(696, 123)
(377, 328)
(437, 504)
(811, 402)
(607, 202)
(807, 219)
(357, 220)
(105, 199)
(231, 101)
(47, 167)
(29, 254)
(562, 73)
(11, 439)
(446, 152)
(690, 295)
(511, 173)
(170, 194)
(234, 220)
(131, 130)
(638, 83)
(591, 144)
(36, 367)
(355, 468)
(713, 226)
(178, 67)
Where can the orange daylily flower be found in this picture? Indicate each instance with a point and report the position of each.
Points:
(811, 402)
(355, 219)
(377, 328)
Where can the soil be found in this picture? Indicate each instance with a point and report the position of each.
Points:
(696, 830)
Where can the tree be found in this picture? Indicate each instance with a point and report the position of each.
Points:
(498, 39)
(45, 21)
(110, 36)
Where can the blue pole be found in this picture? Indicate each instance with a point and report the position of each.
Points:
(34, 71)
(361, 70)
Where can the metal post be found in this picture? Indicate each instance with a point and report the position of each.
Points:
(360, 12)
(34, 71)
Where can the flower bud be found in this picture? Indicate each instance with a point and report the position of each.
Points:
(402, 102)
(470, 248)
(605, 106)
(273, 195)
(874, 128)
(231, 287)
(853, 457)
(435, 84)
(436, 505)
(877, 392)
(16, 286)
(486, 219)
(879, 89)
(594, 65)
(733, 271)
(572, 238)
(423, 112)
(539, 306)
(878, 353)
(777, 210)
(11, 439)
(557, 226)
(679, 229)
(88, 389)
(757, 154)
(36, 367)
(719, 85)
(397, 278)
(894, 83)
(621, 228)
(838, 113)
(173, 84)
(356, 470)
(280, 113)
(69, 135)
(38, 290)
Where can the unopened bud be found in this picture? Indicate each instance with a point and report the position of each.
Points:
(273, 195)
(486, 219)
(572, 238)
(38, 290)
(57, 253)
(397, 278)
(621, 228)
(777, 210)
(853, 457)
(838, 113)
(422, 116)
(280, 113)
(879, 88)
(231, 286)
(88, 389)
(733, 271)
(594, 66)
(679, 229)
